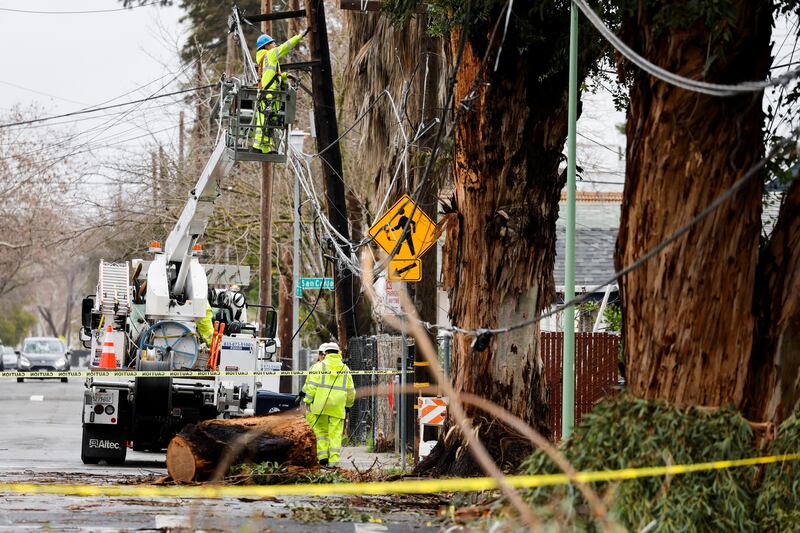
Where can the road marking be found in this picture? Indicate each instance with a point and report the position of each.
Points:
(369, 528)
(165, 521)
(37, 398)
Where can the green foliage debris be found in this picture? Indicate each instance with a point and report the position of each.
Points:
(778, 501)
(271, 473)
(629, 433)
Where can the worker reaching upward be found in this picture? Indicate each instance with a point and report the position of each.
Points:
(329, 395)
(270, 79)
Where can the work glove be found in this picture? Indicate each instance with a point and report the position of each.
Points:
(305, 32)
(347, 412)
(299, 399)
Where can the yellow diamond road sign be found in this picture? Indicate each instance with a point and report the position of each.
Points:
(388, 230)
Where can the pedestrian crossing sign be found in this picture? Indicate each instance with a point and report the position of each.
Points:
(389, 232)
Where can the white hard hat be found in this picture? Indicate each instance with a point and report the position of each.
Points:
(328, 347)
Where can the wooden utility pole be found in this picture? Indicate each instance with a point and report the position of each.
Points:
(154, 179)
(198, 131)
(265, 258)
(163, 187)
(328, 144)
(181, 143)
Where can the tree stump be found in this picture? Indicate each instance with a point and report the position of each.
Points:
(195, 453)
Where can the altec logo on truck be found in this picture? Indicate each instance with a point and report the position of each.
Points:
(107, 444)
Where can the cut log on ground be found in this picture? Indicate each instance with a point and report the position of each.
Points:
(195, 453)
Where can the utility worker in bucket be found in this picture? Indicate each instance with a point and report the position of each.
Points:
(270, 78)
(329, 395)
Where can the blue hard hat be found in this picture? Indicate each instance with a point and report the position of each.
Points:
(264, 40)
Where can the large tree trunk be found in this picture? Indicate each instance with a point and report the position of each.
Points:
(195, 453)
(688, 313)
(498, 258)
(774, 392)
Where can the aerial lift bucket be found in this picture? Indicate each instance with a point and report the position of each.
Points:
(278, 105)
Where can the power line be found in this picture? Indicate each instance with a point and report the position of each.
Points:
(40, 92)
(598, 143)
(713, 89)
(140, 87)
(110, 118)
(113, 122)
(132, 102)
(99, 117)
(719, 200)
(30, 12)
(106, 144)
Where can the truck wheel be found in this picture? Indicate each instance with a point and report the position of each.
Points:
(89, 460)
(20, 380)
(64, 380)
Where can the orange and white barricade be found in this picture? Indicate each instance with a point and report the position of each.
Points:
(432, 412)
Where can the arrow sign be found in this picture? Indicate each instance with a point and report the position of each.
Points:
(405, 270)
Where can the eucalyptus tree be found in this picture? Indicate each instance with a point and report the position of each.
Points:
(715, 318)
(510, 125)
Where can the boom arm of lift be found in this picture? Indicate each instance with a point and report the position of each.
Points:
(195, 215)
(183, 295)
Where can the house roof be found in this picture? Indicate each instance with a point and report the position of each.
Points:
(596, 227)
(594, 256)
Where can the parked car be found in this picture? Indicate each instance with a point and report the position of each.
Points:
(79, 358)
(42, 354)
(9, 357)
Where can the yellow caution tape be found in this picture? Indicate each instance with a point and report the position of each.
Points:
(423, 486)
(180, 373)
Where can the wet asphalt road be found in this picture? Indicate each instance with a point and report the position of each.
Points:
(40, 442)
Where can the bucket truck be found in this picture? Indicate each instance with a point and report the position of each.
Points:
(146, 311)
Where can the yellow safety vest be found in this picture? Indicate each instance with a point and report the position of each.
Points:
(268, 65)
(329, 387)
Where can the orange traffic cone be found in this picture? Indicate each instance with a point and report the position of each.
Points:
(108, 359)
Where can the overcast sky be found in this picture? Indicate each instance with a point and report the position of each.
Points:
(78, 60)
(81, 58)
(65, 62)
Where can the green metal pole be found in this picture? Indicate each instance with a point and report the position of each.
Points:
(568, 377)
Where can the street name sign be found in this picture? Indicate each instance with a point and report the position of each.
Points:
(314, 283)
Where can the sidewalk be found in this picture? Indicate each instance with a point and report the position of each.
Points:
(364, 459)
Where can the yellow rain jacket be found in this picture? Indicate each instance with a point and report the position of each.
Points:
(269, 67)
(267, 61)
(329, 387)
(205, 326)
